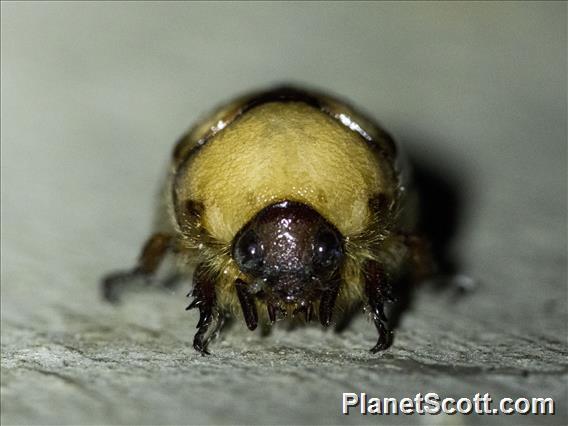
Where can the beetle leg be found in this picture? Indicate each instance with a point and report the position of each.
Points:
(420, 256)
(378, 292)
(153, 252)
(308, 312)
(204, 299)
(327, 301)
(271, 309)
(247, 304)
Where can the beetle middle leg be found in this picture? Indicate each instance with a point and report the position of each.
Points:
(378, 292)
(420, 256)
(153, 252)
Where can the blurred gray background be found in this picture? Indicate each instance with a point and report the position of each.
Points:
(94, 96)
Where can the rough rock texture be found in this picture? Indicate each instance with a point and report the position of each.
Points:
(95, 94)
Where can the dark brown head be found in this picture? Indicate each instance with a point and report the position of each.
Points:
(290, 252)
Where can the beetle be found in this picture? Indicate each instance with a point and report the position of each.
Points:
(285, 202)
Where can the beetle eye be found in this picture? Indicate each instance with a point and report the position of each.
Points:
(248, 252)
(327, 249)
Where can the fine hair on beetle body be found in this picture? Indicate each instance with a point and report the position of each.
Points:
(285, 203)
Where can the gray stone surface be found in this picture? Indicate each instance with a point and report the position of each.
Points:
(95, 94)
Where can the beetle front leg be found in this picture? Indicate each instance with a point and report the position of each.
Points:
(153, 252)
(204, 299)
(248, 304)
(378, 292)
(328, 298)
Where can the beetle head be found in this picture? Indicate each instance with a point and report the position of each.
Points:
(290, 252)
